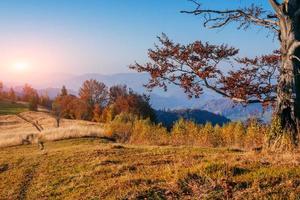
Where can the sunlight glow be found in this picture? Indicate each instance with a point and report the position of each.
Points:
(20, 66)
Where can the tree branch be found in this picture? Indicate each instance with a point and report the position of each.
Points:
(292, 48)
(198, 65)
(245, 17)
(239, 100)
(276, 6)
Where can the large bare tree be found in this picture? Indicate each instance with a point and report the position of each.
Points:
(265, 79)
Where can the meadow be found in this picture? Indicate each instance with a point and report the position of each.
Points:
(99, 169)
(131, 158)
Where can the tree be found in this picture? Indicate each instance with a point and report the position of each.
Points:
(79, 109)
(135, 104)
(33, 102)
(28, 92)
(117, 91)
(97, 113)
(12, 95)
(1, 88)
(64, 91)
(31, 96)
(70, 107)
(57, 112)
(45, 100)
(268, 79)
(93, 93)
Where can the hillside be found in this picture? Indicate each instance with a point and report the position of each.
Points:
(229, 109)
(14, 129)
(168, 118)
(97, 169)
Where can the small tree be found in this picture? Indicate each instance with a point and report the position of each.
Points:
(28, 93)
(57, 112)
(31, 96)
(64, 91)
(33, 102)
(12, 95)
(1, 89)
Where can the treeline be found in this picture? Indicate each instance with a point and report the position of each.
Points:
(29, 94)
(96, 102)
(11, 95)
(248, 135)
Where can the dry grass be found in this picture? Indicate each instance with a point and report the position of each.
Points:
(91, 169)
(74, 131)
(14, 130)
(94, 168)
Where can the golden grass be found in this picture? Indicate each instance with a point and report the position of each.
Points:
(92, 169)
(14, 130)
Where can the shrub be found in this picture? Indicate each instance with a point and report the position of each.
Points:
(277, 138)
(255, 134)
(121, 127)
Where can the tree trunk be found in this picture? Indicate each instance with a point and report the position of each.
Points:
(296, 23)
(288, 91)
(286, 99)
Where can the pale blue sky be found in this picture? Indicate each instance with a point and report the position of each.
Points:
(105, 36)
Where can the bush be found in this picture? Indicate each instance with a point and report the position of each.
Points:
(129, 128)
(121, 127)
(279, 139)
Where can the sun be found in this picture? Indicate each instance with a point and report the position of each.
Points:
(20, 66)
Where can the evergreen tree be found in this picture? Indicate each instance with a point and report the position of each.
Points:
(64, 91)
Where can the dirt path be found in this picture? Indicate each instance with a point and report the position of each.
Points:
(26, 182)
(35, 124)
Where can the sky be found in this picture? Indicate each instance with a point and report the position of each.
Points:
(43, 38)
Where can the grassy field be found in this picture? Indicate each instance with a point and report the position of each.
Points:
(73, 167)
(9, 108)
(97, 169)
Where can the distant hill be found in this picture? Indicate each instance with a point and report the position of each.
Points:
(167, 118)
(229, 109)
